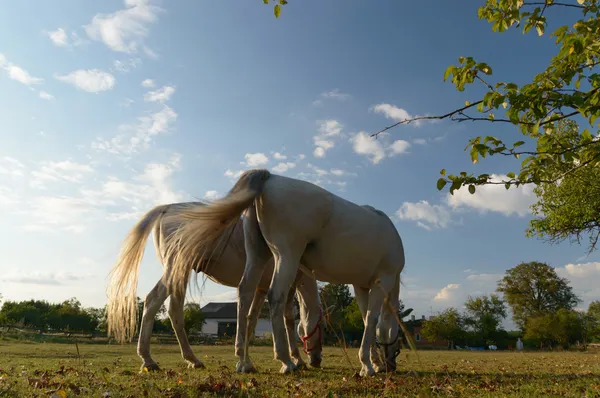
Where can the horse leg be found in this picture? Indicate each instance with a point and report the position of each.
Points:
(310, 319)
(152, 304)
(286, 266)
(362, 299)
(257, 303)
(377, 294)
(289, 326)
(257, 255)
(388, 332)
(176, 316)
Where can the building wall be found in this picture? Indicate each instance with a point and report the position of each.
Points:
(262, 326)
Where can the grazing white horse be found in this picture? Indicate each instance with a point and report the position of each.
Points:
(302, 226)
(225, 268)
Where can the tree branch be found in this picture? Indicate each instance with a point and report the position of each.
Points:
(416, 119)
(553, 4)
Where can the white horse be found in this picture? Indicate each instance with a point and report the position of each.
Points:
(302, 226)
(226, 269)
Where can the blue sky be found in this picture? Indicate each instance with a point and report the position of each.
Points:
(108, 109)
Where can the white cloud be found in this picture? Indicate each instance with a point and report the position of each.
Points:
(45, 95)
(44, 278)
(325, 140)
(54, 213)
(583, 270)
(318, 171)
(448, 293)
(211, 195)
(137, 137)
(283, 167)
(279, 156)
(420, 141)
(8, 197)
(484, 278)
(127, 65)
(337, 172)
(161, 95)
(255, 159)
(59, 37)
(12, 167)
(427, 216)
(333, 94)
(148, 83)
(397, 114)
(17, 73)
(55, 171)
(125, 29)
(495, 198)
(398, 147)
(368, 146)
(90, 80)
(233, 174)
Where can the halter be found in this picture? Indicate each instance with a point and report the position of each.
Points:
(311, 334)
(386, 345)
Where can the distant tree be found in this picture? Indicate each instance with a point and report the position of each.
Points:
(534, 289)
(193, 317)
(593, 321)
(335, 299)
(484, 315)
(448, 326)
(564, 327)
(31, 313)
(71, 316)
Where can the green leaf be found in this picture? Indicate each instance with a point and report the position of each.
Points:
(266, 1)
(510, 175)
(443, 172)
(507, 185)
(518, 144)
(277, 10)
(448, 72)
(441, 183)
(471, 189)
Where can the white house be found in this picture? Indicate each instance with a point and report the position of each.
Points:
(221, 319)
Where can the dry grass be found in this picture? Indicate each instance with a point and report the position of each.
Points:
(43, 369)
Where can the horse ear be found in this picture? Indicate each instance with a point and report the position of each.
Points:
(405, 313)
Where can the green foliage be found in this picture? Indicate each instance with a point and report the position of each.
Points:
(564, 328)
(483, 316)
(193, 317)
(448, 325)
(277, 8)
(568, 88)
(534, 289)
(568, 208)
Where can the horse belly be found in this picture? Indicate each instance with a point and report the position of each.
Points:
(335, 263)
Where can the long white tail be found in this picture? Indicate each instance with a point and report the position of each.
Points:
(122, 309)
(204, 229)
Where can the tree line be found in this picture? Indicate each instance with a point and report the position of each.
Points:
(542, 305)
(71, 317)
(543, 308)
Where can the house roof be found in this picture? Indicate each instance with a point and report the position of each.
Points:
(219, 310)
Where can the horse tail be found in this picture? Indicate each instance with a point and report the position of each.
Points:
(122, 308)
(205, 229)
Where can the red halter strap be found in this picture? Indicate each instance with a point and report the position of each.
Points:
(311, 334)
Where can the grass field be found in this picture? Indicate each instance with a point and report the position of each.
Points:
(44, 369)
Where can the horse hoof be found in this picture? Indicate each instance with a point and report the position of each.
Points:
(367, 371)
(196, 365)
(151, 367)
(245, 367)
(301, 366)
(289, 368)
